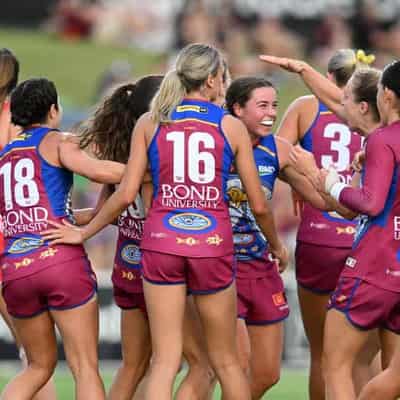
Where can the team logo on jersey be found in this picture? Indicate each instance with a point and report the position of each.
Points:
(195, 222)
(130, 253)
(243, 239)
(236, 195)
(264, 170)
(24, 245)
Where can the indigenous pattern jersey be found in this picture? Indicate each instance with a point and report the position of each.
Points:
(248, 239)
(190, 160)
(332, 143)
(375, 256)
(32, 192)
(127, 261)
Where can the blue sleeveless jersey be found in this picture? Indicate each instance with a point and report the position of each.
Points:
(32, 192)
(249, 241)
(190, 160)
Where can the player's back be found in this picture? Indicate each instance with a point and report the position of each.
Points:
(376, 256)
(190, 160)
(32, 193)
(333, 144)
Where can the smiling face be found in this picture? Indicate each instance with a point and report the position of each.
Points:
(259, 112)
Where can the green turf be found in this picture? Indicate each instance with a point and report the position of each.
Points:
(292, 386)
(73, 66)
(76, 66)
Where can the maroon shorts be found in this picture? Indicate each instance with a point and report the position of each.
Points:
(365, 305)
(201, 275)
(59, 287)
(261, 299)
(318, 267)
(129, 301)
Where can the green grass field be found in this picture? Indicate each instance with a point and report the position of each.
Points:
(76, 66)
(293, 386)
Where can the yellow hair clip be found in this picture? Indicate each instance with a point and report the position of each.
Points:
(363, 58)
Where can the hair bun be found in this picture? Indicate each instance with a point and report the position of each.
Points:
(363, 58)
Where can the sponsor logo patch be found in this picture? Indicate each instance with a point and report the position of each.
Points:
(279, 299)
(130, 253)
(351, 262)
(194, 222)
(264, 170)
(130, 276)
(24, 245)
(24, 263)
(189, 241)
(215, 240)
(50, 252)
(348, 230)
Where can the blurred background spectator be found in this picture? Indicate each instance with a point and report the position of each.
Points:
(311, 29)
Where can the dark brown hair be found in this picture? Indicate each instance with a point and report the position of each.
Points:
(108, 132)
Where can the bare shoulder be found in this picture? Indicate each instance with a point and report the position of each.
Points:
(233, 124)
(68, 137)
(304, 103)
(146, 126)
(234, 130)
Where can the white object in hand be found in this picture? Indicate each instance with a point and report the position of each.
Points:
(332, 178)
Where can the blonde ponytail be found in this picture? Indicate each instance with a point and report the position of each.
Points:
(345, 61)
(193, 65)
(169, 95)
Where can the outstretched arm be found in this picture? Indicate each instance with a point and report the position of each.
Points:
(322, 87)
(78, 161)
(117, 202)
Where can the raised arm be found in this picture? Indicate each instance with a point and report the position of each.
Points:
(322, 87)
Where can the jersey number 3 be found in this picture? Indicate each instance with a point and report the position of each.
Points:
(340, 146)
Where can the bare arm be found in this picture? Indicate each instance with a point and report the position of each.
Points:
(371, 197)
(303, 187)
(78, 161)
(118, 201)
(321, 86)
(297, 119)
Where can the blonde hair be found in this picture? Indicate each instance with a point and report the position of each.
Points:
(194, 64)
(345, 61)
